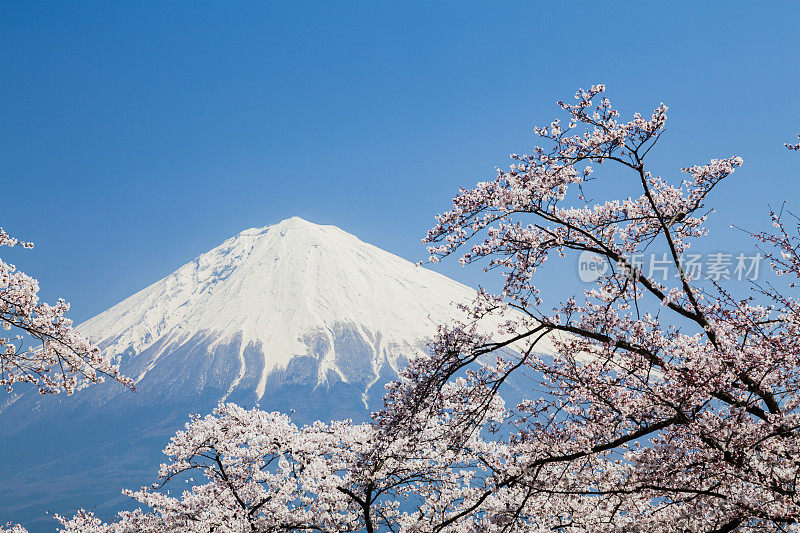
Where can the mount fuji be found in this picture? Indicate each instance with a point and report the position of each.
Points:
(296, 317)
(293, 303)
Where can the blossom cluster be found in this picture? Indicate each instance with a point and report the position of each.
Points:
(63, 360)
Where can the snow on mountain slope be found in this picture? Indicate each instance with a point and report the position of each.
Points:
(292, 291)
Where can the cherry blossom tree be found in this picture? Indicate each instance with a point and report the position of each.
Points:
(659, 405)
(252, 470)
(262, 473)
(63, 360)
(669, 406)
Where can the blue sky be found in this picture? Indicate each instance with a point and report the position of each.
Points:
(137, 135)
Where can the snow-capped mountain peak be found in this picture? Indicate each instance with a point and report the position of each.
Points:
(294, 293)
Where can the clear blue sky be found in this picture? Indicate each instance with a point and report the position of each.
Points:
(136, 135)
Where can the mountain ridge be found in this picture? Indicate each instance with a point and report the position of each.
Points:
(286, 289)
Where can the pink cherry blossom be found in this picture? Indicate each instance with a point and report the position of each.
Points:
(63, 360)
